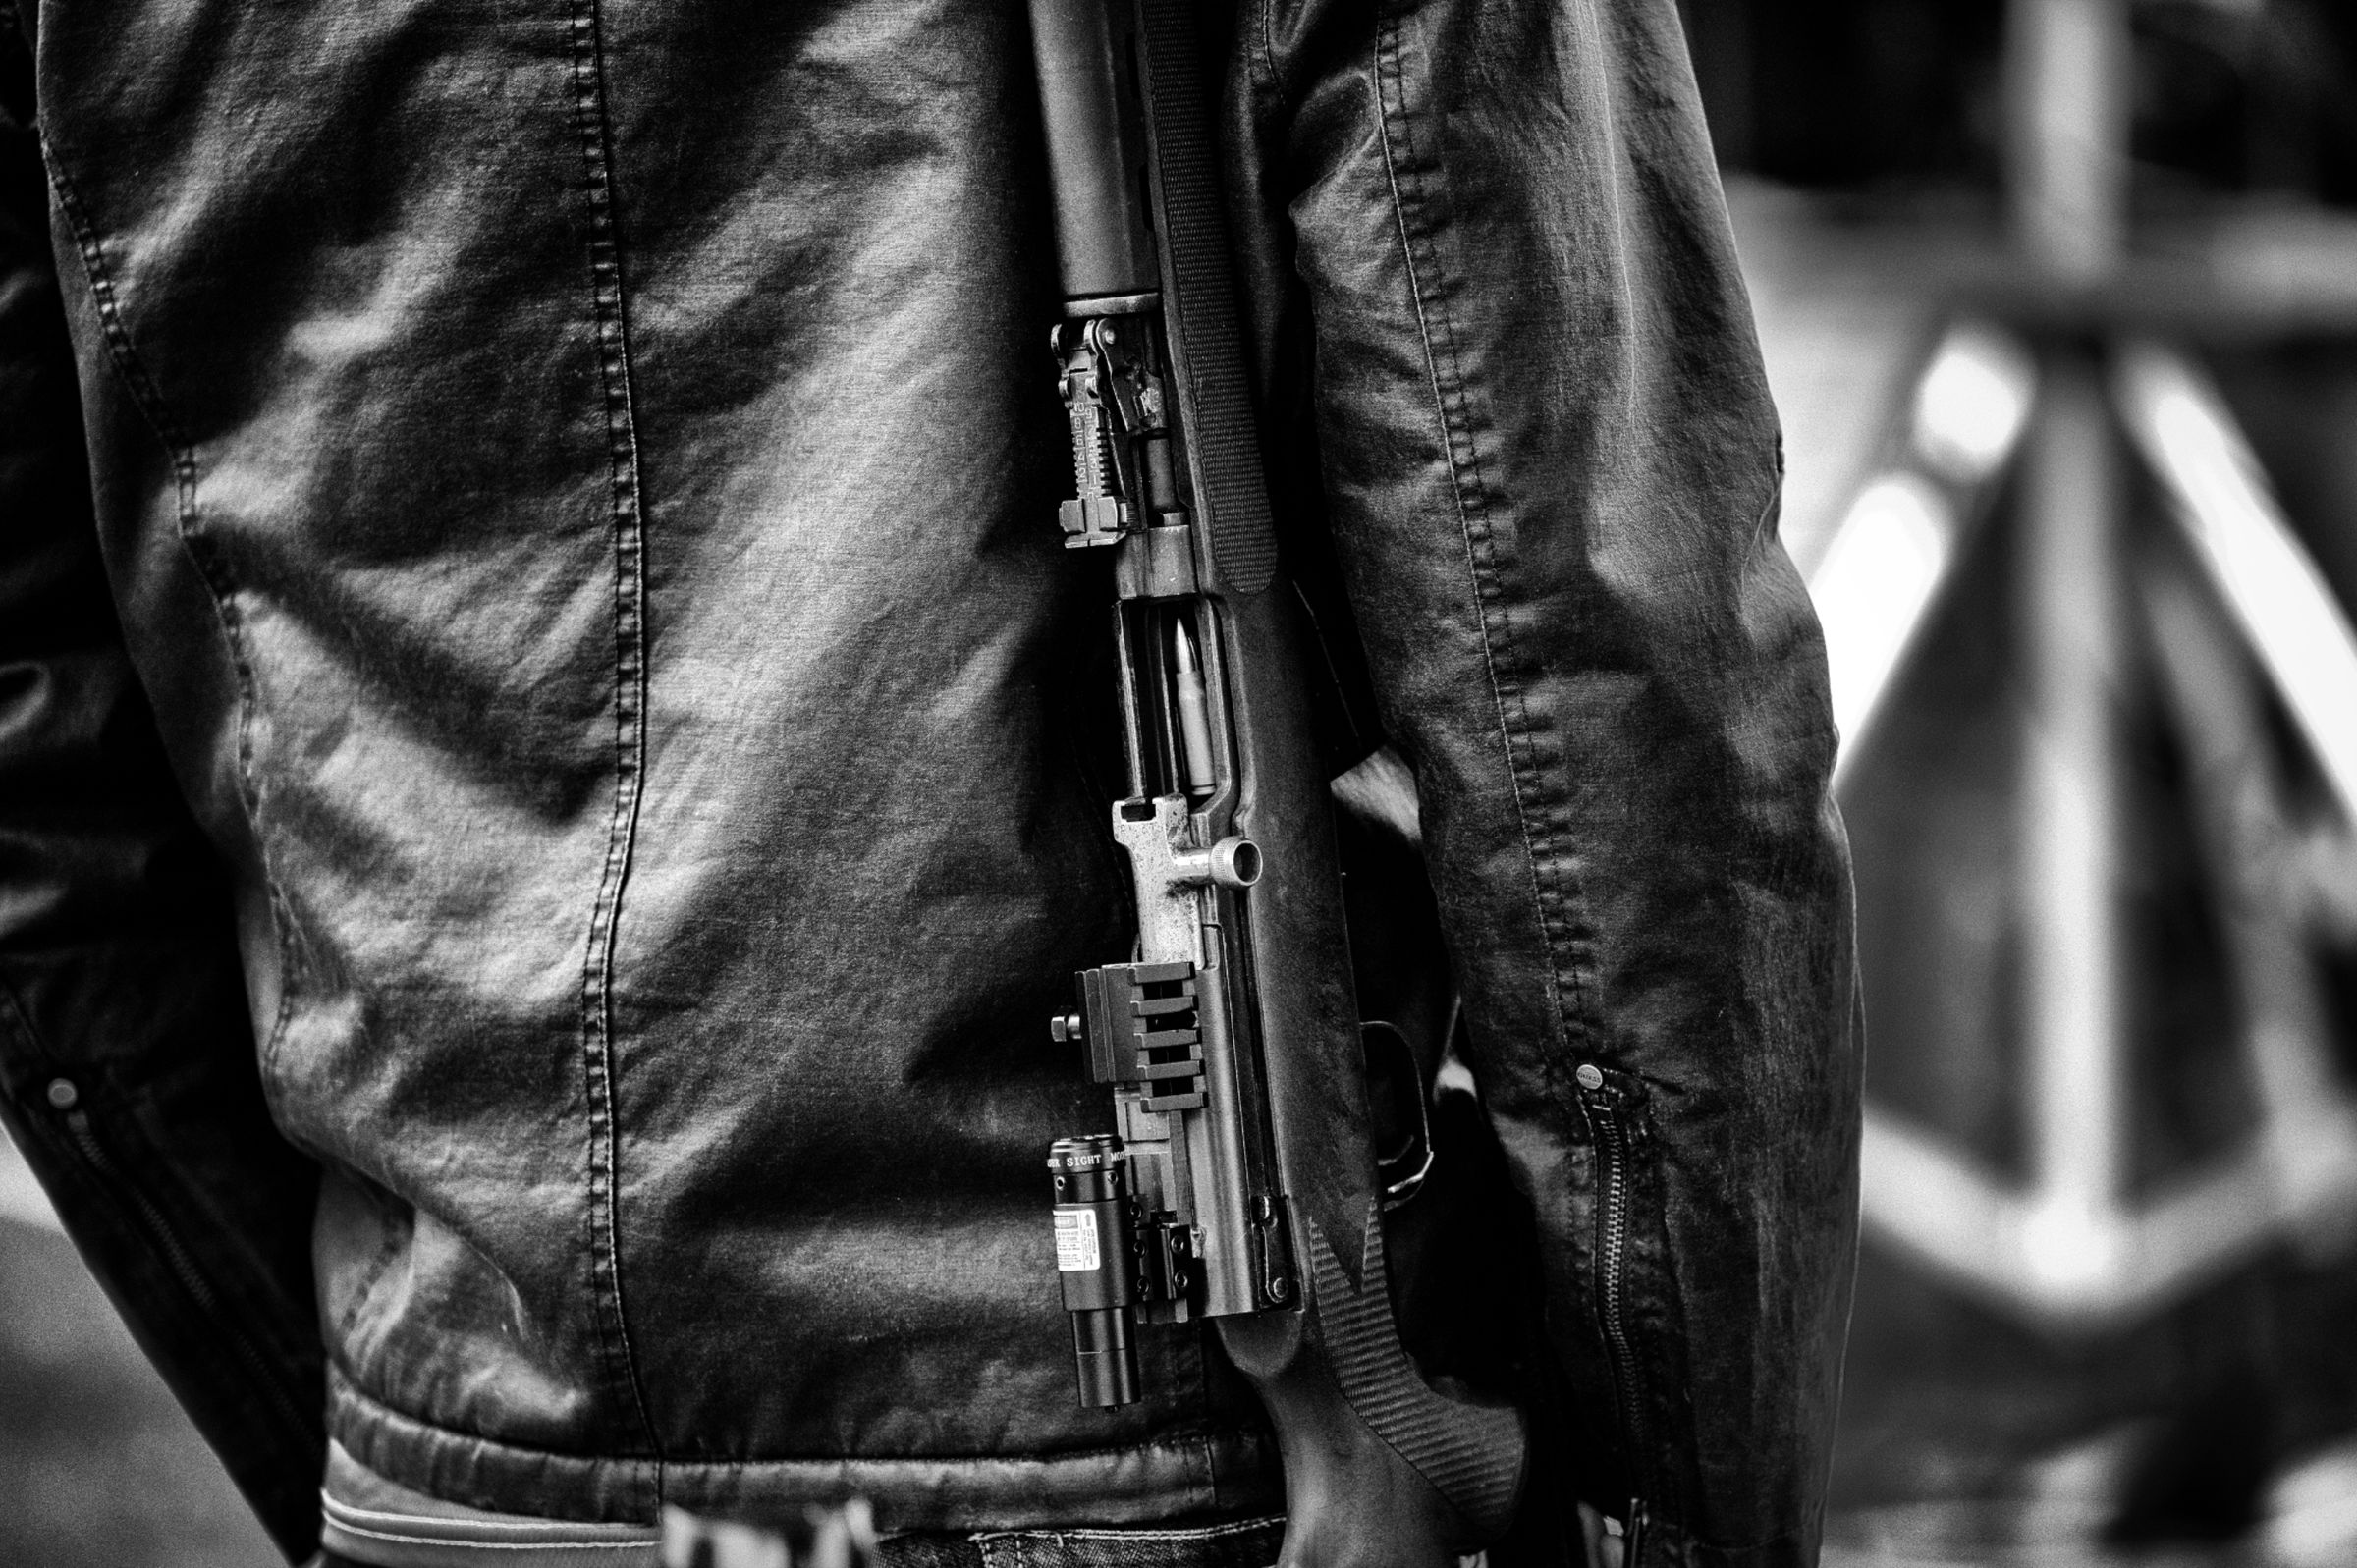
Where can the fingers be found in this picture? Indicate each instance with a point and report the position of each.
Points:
(1605, 1544)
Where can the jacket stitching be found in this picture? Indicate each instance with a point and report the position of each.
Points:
(1265, 15)
(146, 396)
(630, 697)
(1557, 895)
(1470, 491)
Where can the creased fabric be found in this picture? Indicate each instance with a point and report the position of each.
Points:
(552, 766)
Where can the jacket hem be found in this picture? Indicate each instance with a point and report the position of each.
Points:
(1218, 1475)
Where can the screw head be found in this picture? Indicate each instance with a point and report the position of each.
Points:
(63, 1095)
(1590, 1075)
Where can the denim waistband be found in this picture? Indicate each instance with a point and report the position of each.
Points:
(1248, 1543)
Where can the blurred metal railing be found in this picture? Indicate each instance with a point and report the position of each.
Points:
(2037, 383)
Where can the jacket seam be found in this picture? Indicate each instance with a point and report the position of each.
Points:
(146, 396)
(1264, 32)
(629, 701)
(1570, 997)
(1558, 898)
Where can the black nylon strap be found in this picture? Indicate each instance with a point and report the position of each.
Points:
(1453, 1444)
(1206, 333)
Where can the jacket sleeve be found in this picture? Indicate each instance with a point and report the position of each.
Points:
(126, 1066)
(1486, 250)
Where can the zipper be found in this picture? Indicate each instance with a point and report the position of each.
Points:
(1612, 1158)
(1632, 1535)
(64, 1097)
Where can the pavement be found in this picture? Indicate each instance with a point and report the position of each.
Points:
(98, 1468)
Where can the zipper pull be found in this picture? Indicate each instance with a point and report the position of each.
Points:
(1632, 1535)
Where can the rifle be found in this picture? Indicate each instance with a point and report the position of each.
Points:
(1242, 1185)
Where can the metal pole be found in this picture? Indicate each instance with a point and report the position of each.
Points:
(2069, 802)
(2067, 150)
(2069, 197)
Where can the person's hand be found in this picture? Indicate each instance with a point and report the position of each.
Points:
(1607, 1545)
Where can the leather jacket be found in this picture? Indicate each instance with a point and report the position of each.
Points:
(550, 766)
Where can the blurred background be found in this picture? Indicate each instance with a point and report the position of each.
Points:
(2060, 302)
